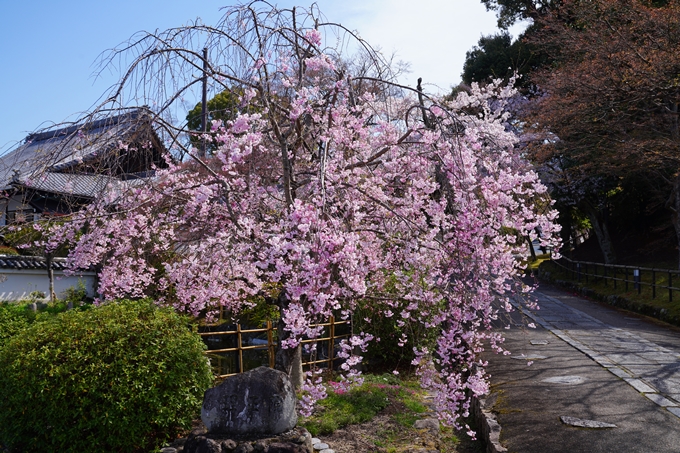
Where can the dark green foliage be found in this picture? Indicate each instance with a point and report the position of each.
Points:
(225, 106)
(256, 315)
(511, 11)
(75, 294)
(116, 378)
(6, 250)
(489, 59)
(498, 57)
(13, 319)
(384, 352)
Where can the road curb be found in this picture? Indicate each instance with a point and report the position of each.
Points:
(487, 426)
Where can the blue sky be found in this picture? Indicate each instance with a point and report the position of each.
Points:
(49, 49)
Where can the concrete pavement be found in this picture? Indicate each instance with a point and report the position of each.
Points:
(615, 373)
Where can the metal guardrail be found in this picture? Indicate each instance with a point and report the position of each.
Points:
(616, 274)
(233, 357)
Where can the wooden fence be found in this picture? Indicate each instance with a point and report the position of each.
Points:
(237, 350)
(623, 277)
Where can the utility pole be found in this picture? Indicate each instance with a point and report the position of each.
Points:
(204, 104)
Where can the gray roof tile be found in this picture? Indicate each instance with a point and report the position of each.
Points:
(30, 262)
(59, 149)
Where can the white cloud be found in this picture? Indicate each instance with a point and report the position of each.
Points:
(433, 35)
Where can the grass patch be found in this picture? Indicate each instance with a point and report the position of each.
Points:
(414, 408)
(535, 263)
(363, 403)
(341, 409)
(382, 413)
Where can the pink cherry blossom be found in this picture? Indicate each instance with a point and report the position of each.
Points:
(329, 196)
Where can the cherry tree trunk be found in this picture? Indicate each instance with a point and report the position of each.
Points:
(289, 360)
(49, 261)
(531, 248)
(604, 240)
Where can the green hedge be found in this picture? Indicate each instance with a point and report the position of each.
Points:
(122, 377)
(13, 319)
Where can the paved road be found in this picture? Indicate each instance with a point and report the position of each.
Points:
(590, 362)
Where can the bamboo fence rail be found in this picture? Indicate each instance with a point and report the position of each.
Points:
(222, 362)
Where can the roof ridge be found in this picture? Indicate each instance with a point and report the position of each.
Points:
(69, 130)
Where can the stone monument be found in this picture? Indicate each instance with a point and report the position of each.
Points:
(251, 412)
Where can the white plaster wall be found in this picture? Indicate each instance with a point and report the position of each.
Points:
(18, 284)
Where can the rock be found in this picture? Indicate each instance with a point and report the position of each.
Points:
(261, 446)
(567, 380)
(168, 450)
(287, 447)
(320, 446)
(427, 423)
(300, 436)
(530, 357)
(179, 443)
(244, 448)
(573, 421)
(297, 440)
(201, 444)
(260, 401)
(228, 446)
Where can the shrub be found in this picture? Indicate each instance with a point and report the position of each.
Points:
(122, 377)
(385, 353)
(13, 319)
(5, 250)
(36, 296)
(75, 294)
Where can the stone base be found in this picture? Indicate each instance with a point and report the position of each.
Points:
(297, 440)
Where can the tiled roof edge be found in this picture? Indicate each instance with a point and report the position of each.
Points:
(30, 262)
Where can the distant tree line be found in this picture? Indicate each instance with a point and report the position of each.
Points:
(600, 81)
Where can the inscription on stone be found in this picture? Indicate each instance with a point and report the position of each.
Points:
(275, 406)
(261, 401)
